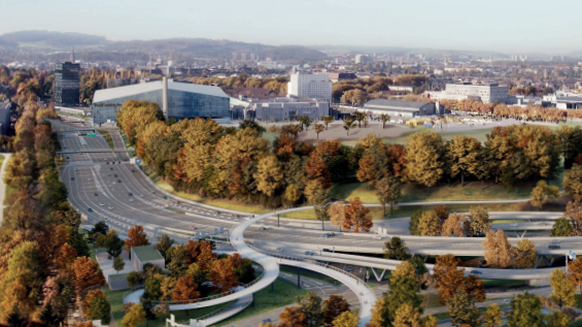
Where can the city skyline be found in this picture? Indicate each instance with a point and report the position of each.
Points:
(516, 27)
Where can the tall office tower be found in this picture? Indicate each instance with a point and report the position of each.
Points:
(67, 84)
(309, 86)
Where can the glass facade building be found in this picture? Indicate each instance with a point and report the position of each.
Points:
(67, 84)
(184, 100)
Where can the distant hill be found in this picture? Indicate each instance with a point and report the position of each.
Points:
(178, 47)
(48, 39)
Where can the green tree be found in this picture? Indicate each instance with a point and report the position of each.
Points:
(562, 227)
(311, 306)
(328, 120)
(492, 316)
(563, 290)
(526, 311)
(415, 221)
(396, 249)
(118, 264)
(164, 244)
(388, 190)
(403, 290)
(462, 311)
(134, 316)
(100, 309)
(113, 244)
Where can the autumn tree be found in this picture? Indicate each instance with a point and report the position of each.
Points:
(388, 190)
(407, 316)
(346, 319)
(497, 248)
(134, 316)
(562, 227)
(492, 316)
(575, 272)
(572, 182)
(557, 319)
(415, 222)
(327, 120)
(336, 212)
(356, 217)
(425, 155)
(87, 274)
(462, 311)
(185, 289)
(334, 306)
(396, 249)
(223, 275)
(428, 224)
(574, 214)
(136, 236)
(454, 225)
(292, 317)
(100, 309)
(538, 195)
(463, 155)
(477, 223)
(269, 176)
(525, 255)
(563, 290)
(447, 277)
(311, 306)
(526, 311)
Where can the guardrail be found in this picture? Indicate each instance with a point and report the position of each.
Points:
(208, 298)
(314, 262)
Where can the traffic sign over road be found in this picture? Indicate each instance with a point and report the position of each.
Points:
(90, 134)
(137, 161)
(572, 255)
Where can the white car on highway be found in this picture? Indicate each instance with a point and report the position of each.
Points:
(101, 204)
(514, 225)
(110, 208)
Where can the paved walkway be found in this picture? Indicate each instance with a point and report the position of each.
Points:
(2, 185)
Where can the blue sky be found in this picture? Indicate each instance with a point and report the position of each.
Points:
(515, 26)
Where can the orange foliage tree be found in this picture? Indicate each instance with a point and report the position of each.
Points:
(222, 273)
(356, 217)
(292, 317)
(185, 289)
(87, 274)
(136, 236)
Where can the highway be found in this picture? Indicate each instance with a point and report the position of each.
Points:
(103, 185)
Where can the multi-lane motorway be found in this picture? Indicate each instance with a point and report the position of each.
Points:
(103, 185)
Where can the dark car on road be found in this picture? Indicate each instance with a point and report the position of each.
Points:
(476, 272)
(554, 247)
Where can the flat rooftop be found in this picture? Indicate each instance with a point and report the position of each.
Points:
(147, 253)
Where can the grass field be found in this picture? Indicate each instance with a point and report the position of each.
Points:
(285, 294)
(412, 193)
(107, 138)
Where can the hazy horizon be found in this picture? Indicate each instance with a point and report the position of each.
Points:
(516, 27)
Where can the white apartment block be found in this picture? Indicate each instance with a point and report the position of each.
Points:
(488, 93)
(309, 86)
(278, 109)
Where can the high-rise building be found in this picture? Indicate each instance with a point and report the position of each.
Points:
(362, 59)
(310, 86)
(67, 84)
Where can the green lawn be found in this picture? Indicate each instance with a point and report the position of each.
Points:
(285, 294)
(413, 193)
(107, 137)
(308, 274)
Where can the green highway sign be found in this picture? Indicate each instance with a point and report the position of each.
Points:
(90, 134)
